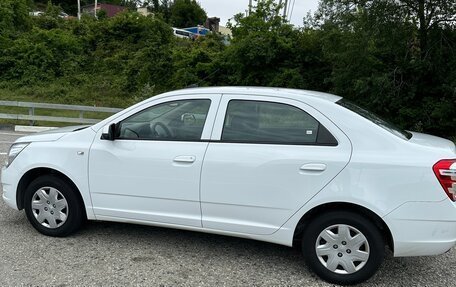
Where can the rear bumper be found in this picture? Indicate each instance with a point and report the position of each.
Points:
(423, 228)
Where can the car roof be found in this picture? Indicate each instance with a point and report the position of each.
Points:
(266, 91)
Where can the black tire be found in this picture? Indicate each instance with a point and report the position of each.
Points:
(75, 212)
(363, 225)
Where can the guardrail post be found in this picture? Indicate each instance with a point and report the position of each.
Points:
(81, 114)
(32, 113)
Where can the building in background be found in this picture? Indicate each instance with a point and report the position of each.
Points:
(225, 31)
(144, 11)
(213, 24)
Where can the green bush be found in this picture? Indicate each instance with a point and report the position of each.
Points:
(373, 53)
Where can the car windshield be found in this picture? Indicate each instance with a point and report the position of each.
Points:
(375, 119)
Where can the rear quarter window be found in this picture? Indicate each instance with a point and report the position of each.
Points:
(375, 119)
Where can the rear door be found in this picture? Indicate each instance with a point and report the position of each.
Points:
(267, 158)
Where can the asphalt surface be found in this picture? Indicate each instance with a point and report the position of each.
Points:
(112, 254)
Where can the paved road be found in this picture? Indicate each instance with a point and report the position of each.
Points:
(112, 254)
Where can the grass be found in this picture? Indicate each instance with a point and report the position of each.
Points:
(65, 93)
(61, 93)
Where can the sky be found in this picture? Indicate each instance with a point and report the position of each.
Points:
(225, 9)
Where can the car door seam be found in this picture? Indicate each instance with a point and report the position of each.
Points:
(89, 152)
(204, 156)
(345, 166)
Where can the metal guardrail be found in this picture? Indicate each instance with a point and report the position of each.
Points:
(32, 117)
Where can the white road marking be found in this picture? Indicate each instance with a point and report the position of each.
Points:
(5, 142)
(32, 129)
(12, 134)
(3, 153)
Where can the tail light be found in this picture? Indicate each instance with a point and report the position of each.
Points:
(445, 170)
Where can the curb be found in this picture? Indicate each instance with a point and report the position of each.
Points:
(32, 129)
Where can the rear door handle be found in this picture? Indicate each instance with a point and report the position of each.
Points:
(313, 167)
(185, 159)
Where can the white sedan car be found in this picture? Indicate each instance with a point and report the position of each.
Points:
(276, 165)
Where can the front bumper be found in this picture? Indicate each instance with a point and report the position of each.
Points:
(9, 191)
(423, 228)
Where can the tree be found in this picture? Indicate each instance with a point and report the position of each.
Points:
(264, 17)
(267, 51)
(425, 14)
(71, 7)
(429, 13)
(372, 52)
(13, 16)
(68, 6)
(186, 13)
(395, 57)
(52, 10)
(160, 8)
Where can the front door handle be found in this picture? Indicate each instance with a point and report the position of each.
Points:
(313, 167)
(185, 159)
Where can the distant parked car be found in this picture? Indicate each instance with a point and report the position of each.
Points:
(41, 13)
(63, 15)
(37, 13)
(179, 33)
(277, 165)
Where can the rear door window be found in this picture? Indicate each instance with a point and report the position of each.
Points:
(272, 123)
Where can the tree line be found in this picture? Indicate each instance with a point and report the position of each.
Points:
(394, 57)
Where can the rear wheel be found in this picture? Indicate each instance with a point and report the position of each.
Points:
(343, 247)
(52, 206)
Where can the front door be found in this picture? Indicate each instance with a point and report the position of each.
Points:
(151, 171)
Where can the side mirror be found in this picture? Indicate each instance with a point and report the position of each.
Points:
(109, 132)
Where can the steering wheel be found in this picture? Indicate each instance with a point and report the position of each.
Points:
(162, 132)
(132, 132)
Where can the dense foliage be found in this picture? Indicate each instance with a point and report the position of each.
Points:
(71, 7)
(186, 13)
(395, 57)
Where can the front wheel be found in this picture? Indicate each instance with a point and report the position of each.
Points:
(343, 247)
(52, 206)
